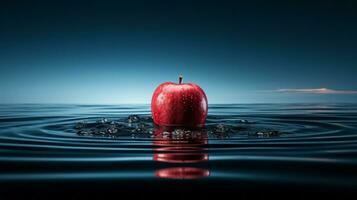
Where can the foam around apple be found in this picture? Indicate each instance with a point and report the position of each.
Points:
(179, 104)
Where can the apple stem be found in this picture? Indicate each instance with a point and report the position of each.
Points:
(180, 79)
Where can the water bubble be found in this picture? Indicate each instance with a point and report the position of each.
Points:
(267, 133)
(243, 121)
(103, 121)
(141, 128)
(133, 119)
(112, 130)
(82, 132)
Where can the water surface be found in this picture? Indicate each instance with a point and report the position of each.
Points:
(243, 147)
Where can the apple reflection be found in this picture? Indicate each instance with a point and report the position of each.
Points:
(175, 145)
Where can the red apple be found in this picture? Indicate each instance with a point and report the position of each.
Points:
(179, 104)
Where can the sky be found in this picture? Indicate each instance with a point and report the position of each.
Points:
(114, 52)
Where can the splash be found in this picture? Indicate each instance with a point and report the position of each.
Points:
(143, 126)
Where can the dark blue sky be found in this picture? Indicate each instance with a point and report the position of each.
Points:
(118, 52)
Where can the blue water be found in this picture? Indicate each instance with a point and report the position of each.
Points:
(243, 147)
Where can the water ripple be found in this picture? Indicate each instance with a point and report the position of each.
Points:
(236, 135)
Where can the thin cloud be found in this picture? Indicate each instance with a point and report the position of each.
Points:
(316, 91)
